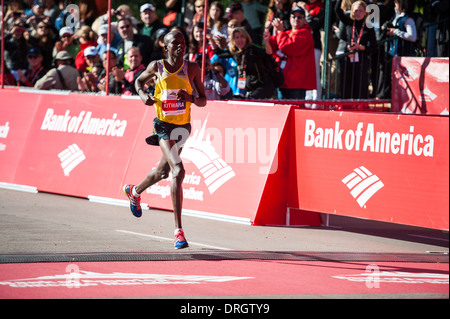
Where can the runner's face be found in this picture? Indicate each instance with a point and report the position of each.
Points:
(176, 45)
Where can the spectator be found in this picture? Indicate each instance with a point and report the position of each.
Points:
(51, 11)
(296, 49)
(87, 38)
(134, 58)
(16, 48)
(220, 70)
(280, 9)
(14, 11)
(36, 14)
(252, 12)
(403, 29)
(115, 74)
(60, 21)
(35, 69)
(103, 39)
(215, 84)
(151, 22)
(199, 15)
(44, 38)
(361, 43)
(196, 43)
(255, 80)
(63, 77)
(91, 57)
(216, 21)
(88, 12)
(129, 39)
(122, 11)
(315, 17)
(236, 11)
(404, 33)
(93, 69)
(173, 8)
(66, 42)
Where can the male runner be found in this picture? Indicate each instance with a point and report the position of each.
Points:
(172, 99)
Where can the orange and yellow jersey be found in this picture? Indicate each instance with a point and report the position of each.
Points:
(168, 108)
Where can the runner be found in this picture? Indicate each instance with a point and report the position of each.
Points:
(171, 128)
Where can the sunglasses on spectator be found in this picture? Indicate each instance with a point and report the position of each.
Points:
(32, 56)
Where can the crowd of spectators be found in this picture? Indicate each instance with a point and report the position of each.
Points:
(249, 44)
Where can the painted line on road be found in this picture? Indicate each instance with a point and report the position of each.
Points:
(170, 239)
(428, 237)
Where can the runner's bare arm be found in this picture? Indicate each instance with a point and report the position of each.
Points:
(146, 76)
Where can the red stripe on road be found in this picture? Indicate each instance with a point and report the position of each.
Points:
(218, 278)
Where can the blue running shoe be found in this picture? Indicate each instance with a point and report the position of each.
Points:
(180, 241)
(135, 202)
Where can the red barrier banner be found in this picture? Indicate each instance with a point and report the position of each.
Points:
(420, 85)
(15, 120)
(78, 144)
(231, 158)
(373, 166)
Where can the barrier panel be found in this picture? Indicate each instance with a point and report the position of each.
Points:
(420, 85)
(16, 117)
(391, 168)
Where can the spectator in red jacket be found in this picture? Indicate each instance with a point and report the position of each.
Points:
(295, 51)
(87, 38)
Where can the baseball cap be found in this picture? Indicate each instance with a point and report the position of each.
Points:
(103, 29)
(65, 30)
(90, 51)
(149, 6)
(34, 51)
(236, 6)
(38, 3)
(298, 9)
(63, 55)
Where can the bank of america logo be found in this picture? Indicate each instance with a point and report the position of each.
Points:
(363, 184)
(199, 150)
(70, 158)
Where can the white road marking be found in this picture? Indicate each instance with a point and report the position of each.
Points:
(169, 239)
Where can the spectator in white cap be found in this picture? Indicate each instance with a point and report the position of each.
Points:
(92, 58)
(150, 21)
(66, 43)
(103, 38)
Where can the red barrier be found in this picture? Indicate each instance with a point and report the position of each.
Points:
(79, 144)
(16, 118)
(420, 85)
(374, 166)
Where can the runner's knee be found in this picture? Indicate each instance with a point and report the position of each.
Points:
(178, 172)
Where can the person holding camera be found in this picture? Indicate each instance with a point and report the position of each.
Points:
(361, 43)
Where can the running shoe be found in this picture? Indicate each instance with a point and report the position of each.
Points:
(180, 241)
(135, 202)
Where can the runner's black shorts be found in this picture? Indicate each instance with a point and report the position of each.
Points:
(165, 131)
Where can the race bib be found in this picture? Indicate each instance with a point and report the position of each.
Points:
(170, 104)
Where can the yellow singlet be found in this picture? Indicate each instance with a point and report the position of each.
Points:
(168, 109)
